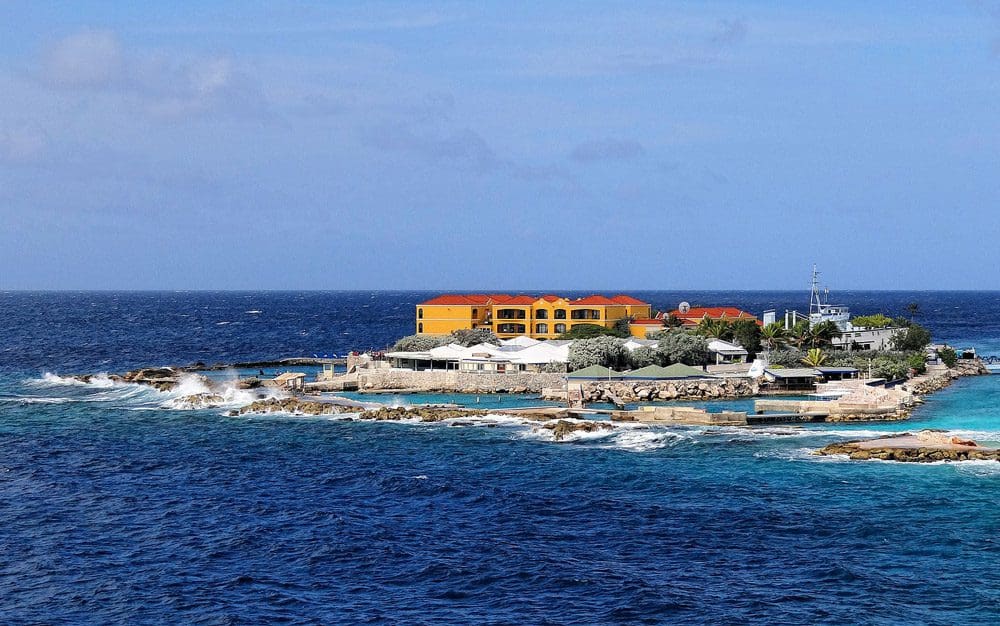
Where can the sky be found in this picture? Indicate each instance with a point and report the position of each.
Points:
(499, 145)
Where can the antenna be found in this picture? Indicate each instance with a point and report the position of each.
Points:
(684, 307)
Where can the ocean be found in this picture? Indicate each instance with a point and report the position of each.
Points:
(118, 506)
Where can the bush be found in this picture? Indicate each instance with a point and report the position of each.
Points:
(786, 358)
(917, 363)
(472, 336)
(607, 351)
(588, 331)
(872, 321)
(682, 347)
(948, 356)
(421, 343)
(641, 357)
(889, 367)
(914, 337)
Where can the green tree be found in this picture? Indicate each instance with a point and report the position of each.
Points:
(799, 335)
(621, 327)
(948, 356)
(913, 308)
(748, 334)
(912, 338)
(672, 321)
(773, 336)
(679, 346)
(822, 334)
(606, 350)
(814, 358)
(715, 329)
(917, 363)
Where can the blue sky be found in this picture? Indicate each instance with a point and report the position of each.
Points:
(711, 145)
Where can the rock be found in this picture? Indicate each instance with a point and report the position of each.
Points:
(564, 427)
(924, 447)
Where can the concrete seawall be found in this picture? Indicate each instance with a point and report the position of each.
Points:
(458, 382)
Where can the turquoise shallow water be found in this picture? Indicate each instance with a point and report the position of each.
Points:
(119, 507)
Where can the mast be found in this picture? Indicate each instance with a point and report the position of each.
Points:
(815, 304)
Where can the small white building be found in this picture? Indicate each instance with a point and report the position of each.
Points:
(726, 352)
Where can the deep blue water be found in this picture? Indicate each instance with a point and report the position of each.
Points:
(117, 508)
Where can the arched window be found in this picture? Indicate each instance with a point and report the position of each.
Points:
(420, 313)
(560, 314)
(541, 314)
(420, 327)
(560, 328)
(475, 313)
(542, 329)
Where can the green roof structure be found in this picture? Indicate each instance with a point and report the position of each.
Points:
(597, 372)
(675, 371)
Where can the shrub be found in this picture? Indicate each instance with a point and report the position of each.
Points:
(786, 358)
(641, 357)
(948, 356)
(872, 321)
(683, 347)
(588, 331)
(917, 363)
(420, 343)
(472, 336)
(747, 333)
(607, 351)
(914, 337)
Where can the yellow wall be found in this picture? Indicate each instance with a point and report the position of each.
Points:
(443, 319)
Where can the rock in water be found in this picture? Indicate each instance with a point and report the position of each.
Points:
(562, 428)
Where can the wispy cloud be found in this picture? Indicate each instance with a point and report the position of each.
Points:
(608, 149)
(163, 85)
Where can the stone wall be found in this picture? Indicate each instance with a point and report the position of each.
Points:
(458, 382)
(637, 391)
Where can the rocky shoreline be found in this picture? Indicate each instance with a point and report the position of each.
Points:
(923, 447)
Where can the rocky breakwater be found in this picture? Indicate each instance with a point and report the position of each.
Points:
(935, 381)
(160, 378)
(639, 391)
(923, 447)
(301, 406)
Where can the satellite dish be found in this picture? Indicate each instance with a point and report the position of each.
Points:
(684, 307)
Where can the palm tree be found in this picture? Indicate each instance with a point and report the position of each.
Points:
(800, 334)
(822, 334)
(913, 309)
(773, 335)
(814, 358)
(714, 329)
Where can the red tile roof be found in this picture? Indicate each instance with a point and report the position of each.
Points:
(519, 300)
(714, 312)
(551, 298)
(648, 322)
(464, 299)
(623, 299)
(593, 300)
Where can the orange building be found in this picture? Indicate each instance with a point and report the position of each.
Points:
(539, 317)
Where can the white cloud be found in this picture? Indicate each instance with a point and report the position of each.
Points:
(22, 144)
(86, 59)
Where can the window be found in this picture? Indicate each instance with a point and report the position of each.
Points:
(509, 329)
(586, 314)
(510, 314)
(475, 313)
(542, 315)
(560, 314)
(542, 329)
(420, 327)
(420, 313)
(560, 328)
